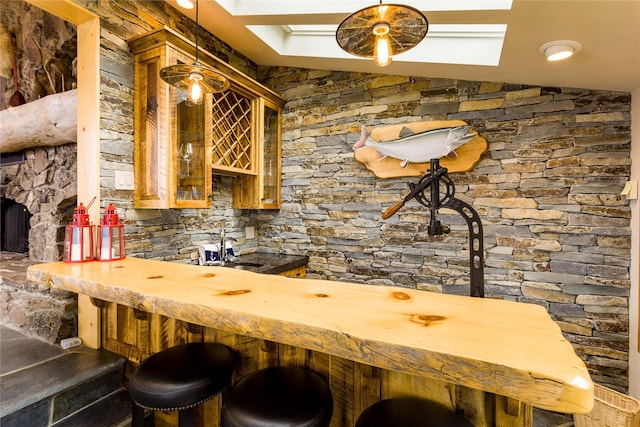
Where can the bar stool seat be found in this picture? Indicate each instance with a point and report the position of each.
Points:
(277, 397)
(180, 378)
(409, 412)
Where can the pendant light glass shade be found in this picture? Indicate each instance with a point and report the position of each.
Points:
(381, 31)
(195, 79)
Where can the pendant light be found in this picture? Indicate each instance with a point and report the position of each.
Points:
(196, 79)
(381, 31)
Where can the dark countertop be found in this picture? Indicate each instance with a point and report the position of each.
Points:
(268, 263)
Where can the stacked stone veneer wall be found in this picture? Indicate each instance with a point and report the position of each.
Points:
(169, 234)
(556, 232)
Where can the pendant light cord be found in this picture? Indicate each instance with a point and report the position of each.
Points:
(198, 26)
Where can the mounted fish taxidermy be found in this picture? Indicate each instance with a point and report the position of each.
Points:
(406, 149)
(419, 147)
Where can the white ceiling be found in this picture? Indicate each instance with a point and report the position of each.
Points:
(609, 31)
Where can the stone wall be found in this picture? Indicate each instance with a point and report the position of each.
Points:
(172, 234)
(557, 233)
(45, 49)
(37, 310)
(46, 182)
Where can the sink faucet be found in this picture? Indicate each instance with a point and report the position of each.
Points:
(224, 256)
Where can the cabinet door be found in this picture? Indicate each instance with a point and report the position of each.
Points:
(172, 143)
(151, 134)
(271, 157)
(192, 154)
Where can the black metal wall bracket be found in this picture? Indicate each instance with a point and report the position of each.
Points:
(437, 199)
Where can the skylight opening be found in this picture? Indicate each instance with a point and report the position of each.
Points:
(467, 44)
(299, 7)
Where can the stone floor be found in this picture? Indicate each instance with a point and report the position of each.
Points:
(42, 384)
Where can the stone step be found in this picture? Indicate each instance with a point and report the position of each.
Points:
(113, 410)
(43, 385)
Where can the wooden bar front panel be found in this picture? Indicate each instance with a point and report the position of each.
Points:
(355, 386)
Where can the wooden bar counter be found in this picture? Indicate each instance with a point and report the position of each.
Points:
(490, 359)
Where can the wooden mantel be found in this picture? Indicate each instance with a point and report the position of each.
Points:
(502, 347)
(46, 122)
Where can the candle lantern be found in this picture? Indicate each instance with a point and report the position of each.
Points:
(111, 237)
(78, 237)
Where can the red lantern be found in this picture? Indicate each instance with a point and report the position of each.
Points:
(78, 237)
(111, 237)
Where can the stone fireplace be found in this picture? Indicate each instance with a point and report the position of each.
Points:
(14, 227)
(45, 185)
(38, 172)
(42, 127)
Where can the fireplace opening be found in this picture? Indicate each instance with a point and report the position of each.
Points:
(14, 226)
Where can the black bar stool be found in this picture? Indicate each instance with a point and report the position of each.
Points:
(180, 378)
(409, 412)
(280, 396)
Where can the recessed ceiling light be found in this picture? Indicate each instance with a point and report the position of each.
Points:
(558, 50)
(187, 4)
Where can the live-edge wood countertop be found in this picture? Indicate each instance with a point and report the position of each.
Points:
(503, 347)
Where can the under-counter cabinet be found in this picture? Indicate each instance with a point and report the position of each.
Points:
(177, 147)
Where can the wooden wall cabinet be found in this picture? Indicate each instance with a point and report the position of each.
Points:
(177, 147)
(262, 190)
(171, 140)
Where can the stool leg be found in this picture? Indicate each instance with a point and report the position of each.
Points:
(137, 415)
(186, 417)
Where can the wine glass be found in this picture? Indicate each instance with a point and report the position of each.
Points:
(186, 153)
